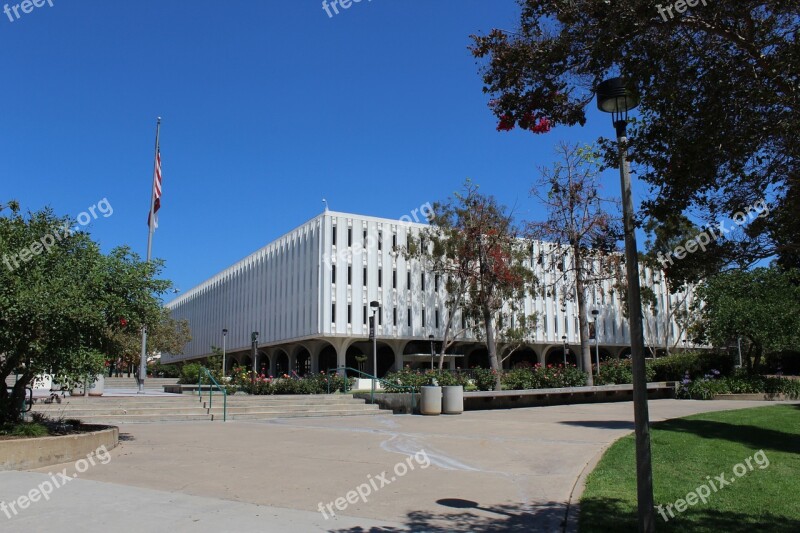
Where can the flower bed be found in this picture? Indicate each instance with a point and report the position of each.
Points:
(260, 384)
(536, 377)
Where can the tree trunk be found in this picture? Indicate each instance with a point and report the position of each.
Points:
(668, 305)
(491, 346)
(447, 329)
(583, 321)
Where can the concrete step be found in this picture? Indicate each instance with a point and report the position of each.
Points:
(298, 400)
(144, 419)
(71, 404)
(301, 414)
(138, 409)
(217, 409)
(80, 413)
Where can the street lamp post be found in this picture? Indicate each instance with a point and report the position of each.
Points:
(375, 305)
(430, 337)
(254, 341)
(564, 338)
(614, 97)
(595, 312)
(224, 335)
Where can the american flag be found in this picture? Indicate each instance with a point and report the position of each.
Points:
(156, 190)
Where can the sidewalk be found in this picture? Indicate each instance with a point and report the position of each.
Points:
(503, 470)
(92, 506)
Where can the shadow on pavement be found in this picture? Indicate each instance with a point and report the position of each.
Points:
(505, 518)
(603, 424)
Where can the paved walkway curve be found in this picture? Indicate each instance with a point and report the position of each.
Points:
(510, 470)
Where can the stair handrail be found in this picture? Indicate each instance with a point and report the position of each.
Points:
(374, 379)
(223, 390)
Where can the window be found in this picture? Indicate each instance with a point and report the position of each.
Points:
(349, 313)
(380, 241)
(333, 312)
(349, 236)
(408, 316)
(380, 316)
(364, 315)
(408, 280)
(394, 241)
(333, 235)
(394, 316)
(349, 275)
(436, 283)
(380, 277)
(394, 279)
(333, 274)
(365, 238)
(437, 319)
(423, 318)
(422, 281)
(365, 276)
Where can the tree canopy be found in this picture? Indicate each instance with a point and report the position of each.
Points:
(474, 243)
(717, 125)
(63, 302)
(761, 306)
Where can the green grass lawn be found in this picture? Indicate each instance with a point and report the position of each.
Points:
(693, 451)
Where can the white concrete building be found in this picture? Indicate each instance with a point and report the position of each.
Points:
(308, 295)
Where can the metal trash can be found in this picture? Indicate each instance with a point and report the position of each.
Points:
(430, 402)
(453, 400)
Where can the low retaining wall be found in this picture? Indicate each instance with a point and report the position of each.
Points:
(400, 403)
(754, 397)
(26, 454)
(186, 389)
(479, 400)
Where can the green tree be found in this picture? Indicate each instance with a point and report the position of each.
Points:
(762, 306)
(719, 84)
(581, 233)
(62, 300)
(474, 243)
(167, 335)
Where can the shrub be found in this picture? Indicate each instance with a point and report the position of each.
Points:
(449, 379)
(786, 362)
(260, 385)
(190, 373)
(165, 371)
(674, 367)
(615, 372)
(408, 378)
(620, 372)
(740, 382)
(483, 378)
(29, 429)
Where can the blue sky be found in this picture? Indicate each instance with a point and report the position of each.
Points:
(267, 108)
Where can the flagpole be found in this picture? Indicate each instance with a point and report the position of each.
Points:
(150, 229)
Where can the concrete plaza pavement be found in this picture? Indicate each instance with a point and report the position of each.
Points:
(505, 470)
